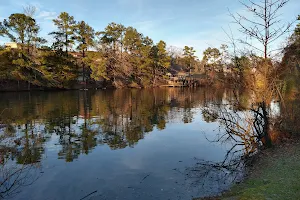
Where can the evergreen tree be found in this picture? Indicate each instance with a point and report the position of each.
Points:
(113, 35)
(189, 57)
(64, 36)
(21, 29)
(211, 57)
(3, 30)
(160, 60)
(85, 37)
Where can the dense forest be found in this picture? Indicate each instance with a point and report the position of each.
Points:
(120, 56)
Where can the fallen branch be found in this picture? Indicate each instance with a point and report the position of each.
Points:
(88, 195)
(145, 178)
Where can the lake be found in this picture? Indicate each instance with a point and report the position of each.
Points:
(114, 144)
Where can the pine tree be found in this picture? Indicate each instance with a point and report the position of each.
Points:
(160, 60)
(85, 37)
(64, 35)
(21, 29)
(189, 56)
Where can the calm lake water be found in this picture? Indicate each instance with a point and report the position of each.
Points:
(112, 144)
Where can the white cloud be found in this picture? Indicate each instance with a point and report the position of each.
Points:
(46, 15)
(149, 27)
(145, 26)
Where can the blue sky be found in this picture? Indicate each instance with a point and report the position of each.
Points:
(197, 23)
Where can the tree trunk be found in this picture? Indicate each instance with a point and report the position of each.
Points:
(154, 76)
(267, 137)
(83, 67)
(66, 43)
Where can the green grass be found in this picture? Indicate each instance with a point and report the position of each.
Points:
(275, 175)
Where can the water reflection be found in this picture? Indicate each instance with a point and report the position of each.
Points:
(40, 128)
(84, 119)
(249, 126)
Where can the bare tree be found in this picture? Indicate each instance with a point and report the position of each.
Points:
(14, 178)
(265, 27)
(29, 10)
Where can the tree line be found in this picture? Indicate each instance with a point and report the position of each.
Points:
(121, 56)
(117, 56)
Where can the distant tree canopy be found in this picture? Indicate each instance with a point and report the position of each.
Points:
(118, 56)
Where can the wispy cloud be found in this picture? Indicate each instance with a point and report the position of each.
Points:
(154, 21)
(149, 26)
(46, 15)
(136, 5)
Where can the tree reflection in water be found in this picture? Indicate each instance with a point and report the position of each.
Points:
(242, 123)
(20, 159)
(82, 120)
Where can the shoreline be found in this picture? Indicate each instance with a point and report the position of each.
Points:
(272, 174)
(81, 87)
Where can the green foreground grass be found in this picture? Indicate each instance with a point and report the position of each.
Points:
(274, 175)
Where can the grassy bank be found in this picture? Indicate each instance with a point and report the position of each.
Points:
(274, 175)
